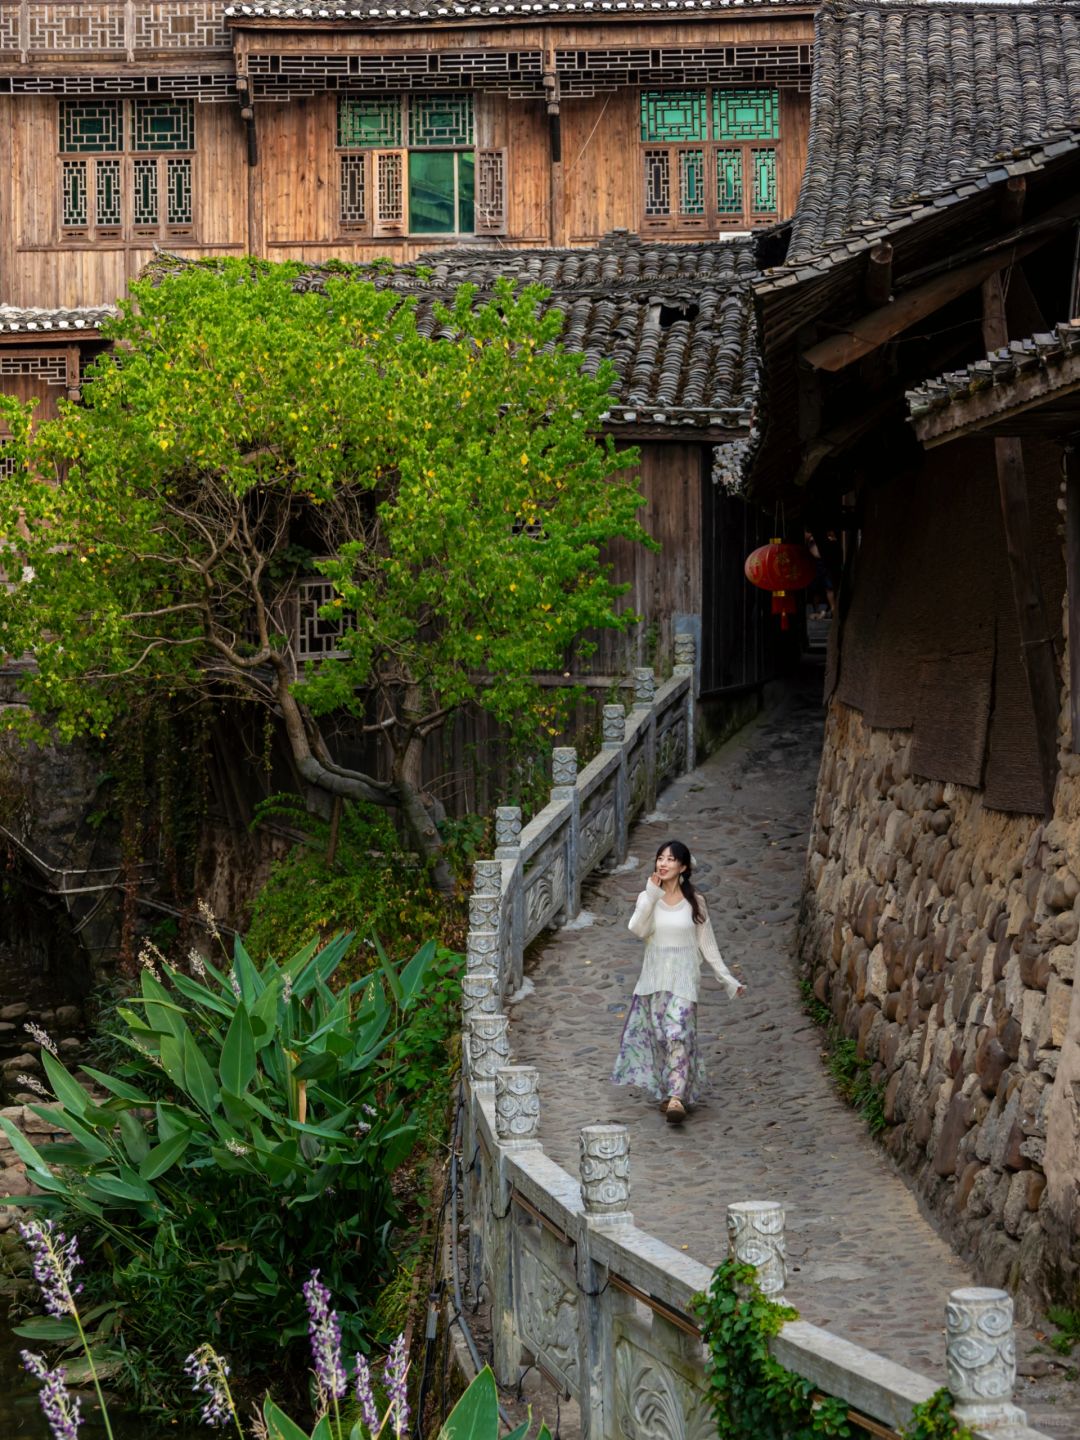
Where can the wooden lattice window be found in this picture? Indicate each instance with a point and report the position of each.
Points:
(709, 158)
(409, 165)
(126, 169)
(316, 638)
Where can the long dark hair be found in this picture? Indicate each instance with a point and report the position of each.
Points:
(682, 856)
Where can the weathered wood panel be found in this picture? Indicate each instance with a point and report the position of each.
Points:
(40, 271)
(601, 166)
(795, 134)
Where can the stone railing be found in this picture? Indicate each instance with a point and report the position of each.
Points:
(603, 1308)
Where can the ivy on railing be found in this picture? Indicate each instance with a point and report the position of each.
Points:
(754, 1397)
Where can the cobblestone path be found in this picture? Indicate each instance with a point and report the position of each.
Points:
(863, 1261)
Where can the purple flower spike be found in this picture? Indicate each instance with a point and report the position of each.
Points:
(365, 1397)
(209, 1374)
(61, 1411)
(396, 1375)
(325, 1332)
(54, 1258)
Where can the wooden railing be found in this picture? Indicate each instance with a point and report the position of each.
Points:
(600, 1306)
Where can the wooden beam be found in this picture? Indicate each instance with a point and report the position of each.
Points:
(1037, 650)
(869, 331)
(1072, 592)
(878, 284)
(1012, 198)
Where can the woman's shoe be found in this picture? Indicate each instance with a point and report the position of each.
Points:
(675, 1112)
(663, 1106)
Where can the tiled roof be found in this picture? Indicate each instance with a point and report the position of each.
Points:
(1019, 359)
(913, 102)
(391, 11)
(676, 321)
(16, 321)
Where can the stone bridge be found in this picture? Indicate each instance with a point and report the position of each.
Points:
(592, 1223)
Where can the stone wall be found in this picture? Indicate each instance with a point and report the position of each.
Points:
(942, 936)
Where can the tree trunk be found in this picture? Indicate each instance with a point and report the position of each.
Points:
(419, 820)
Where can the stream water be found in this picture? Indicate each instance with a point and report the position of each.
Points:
(21, 1417)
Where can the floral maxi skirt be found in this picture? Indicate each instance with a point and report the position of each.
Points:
(659, 1050)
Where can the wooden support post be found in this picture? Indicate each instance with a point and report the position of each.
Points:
(878, 285)
(1011, 200)
(1036, 642)
(1072, 590)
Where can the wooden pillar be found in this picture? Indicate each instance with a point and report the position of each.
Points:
(1036, 641)
(1072, 591)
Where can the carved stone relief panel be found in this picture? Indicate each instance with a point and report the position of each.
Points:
(671, 749)
(547, 1303)
(545, 891)
(597, 836)
(658, 1395)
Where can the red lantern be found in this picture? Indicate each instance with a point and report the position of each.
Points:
(781, 568)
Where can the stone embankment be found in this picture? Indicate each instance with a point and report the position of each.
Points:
(942, 935)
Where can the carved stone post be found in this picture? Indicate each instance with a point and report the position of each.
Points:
(685, 664)
(484, 945)
(605, 1193)
(507, 832)
(756, 1237)
(615, 739)
(489, 1047)
(980, 1357)
(479, 994)
(644, 696)
(517, 1121)
(517, 1105)
(564, 791)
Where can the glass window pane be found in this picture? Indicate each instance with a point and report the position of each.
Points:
(466, 193)
(764, 167)
(729, 185)
(746, 114)
(692, 182)
(89, 127)
(673, 115)
(369, 120)
(431, 192)
(440, 120)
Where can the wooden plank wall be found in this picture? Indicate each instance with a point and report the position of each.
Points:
(287, 208)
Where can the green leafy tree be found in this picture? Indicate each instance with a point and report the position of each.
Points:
(243, 433)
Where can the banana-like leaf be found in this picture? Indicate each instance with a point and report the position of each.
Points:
(64, 1085)
(476, 1415)
(25, 1151)
(415, 973)
(278, 1424)
(86, 1138)
(237, 1068)
(201, 1084)
(120, 1088)
(164, 1156)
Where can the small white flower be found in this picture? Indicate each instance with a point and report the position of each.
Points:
(195, 964)
(235, 1148)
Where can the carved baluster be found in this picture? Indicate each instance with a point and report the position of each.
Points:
(564, 791)
(686, 664)
(483, 947)
(517, 1105)
(614, 727)
(980, 1357)
(479, 994)
(615, 739)
(507, 831)
(644, 687)
(489, 1047)
(644, 696)
(605, 1174)
(756, 1237)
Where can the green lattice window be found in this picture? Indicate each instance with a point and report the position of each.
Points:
(440, 120)
(746, 115)
(164, 126)
(91, 127)
(374, 121)
(673, 116)
(133, 174)
(721, 146)
(409, 166)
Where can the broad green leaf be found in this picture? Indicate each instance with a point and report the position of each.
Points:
(164, 1156)
(322, 1430)
(252, 984)
(113, 1188)
(323, 1131)
(86, 1138)
(237, 1068)
(162, 1011)
(64, 1085)
(316, 1065)
(476, 1415)
(415, 972)
(133, 1133)
(392, 978)
(22, 1147)
(116, 1087)
(264, 1015)
(172, 1060)
(199, 993)
(201, 1085)
(47, 1327)
(278, 1424)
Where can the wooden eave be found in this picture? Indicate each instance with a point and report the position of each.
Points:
(556, 32)
(1043, 403)
(705, 25)
(26, 339)
(823, 296)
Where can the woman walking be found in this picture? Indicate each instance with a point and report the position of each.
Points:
(659, 1040)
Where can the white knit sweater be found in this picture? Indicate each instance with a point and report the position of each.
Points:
(675, 947)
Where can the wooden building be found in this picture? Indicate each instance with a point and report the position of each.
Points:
(936, 229)
(517, 134)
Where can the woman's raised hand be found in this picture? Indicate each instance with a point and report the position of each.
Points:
(654, 879)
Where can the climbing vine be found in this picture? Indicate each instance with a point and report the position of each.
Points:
(754, 1397)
